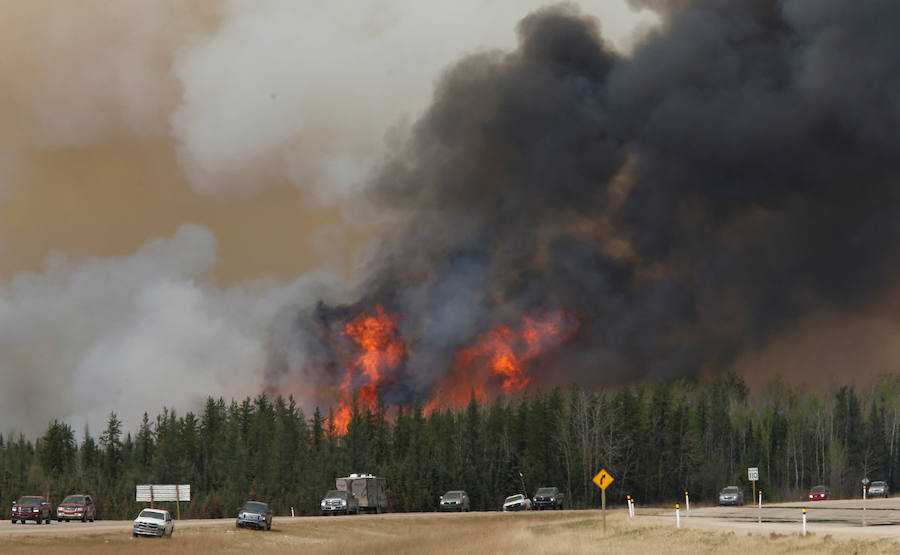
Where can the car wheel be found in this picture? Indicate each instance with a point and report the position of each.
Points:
(268, 526)
(83, 518)
(134, 534)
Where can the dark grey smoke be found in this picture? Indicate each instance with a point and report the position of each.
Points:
(740, 169)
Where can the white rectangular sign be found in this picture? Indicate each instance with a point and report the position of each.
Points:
(753, 473)
(181, 492)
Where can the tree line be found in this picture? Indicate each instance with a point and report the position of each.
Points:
(656, 439)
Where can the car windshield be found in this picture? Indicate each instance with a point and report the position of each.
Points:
(515, 498)
(731, 489)
(255, 507)
(878, 484)
(77, 499)
(546, 491)
(148, 513)
(336, 493)
(819, 489)
(30, 500)
(453, 495)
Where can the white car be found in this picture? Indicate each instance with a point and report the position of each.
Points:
(154, 522)
(517, 503)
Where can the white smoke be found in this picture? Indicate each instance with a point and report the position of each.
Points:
(133, 334)
(306, 92)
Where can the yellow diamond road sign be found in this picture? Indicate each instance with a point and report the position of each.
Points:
(603, 479)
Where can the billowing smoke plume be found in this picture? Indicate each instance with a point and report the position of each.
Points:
(686, 204)
(133, 334)
(123, 121)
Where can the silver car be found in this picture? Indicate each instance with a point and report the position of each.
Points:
(879, 489)
(731, 495)
(455, 500)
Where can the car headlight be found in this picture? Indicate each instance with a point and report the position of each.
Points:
(343, 502)
(323, 502)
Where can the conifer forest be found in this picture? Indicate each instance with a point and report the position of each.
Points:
(656, 439)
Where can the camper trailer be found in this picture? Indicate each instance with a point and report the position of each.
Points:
(370, 490)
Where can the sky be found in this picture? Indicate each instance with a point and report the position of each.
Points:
(196, 198)
(173, 174)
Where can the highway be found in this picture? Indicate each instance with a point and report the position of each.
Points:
(844, 517)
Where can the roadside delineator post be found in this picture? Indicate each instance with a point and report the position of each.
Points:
(292, 512)
(677, 516)
(630, 507)
(759, 513)
(687, 504)
(864, 506)
(804, 521)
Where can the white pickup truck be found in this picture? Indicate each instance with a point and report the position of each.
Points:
(154, 522)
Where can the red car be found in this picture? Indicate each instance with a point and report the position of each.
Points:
(76, 507)
(31, 507)
(819, 493)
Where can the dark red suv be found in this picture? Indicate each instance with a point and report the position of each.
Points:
(31, 507)
(79, 506)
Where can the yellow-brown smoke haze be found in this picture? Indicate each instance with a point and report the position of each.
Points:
(107, 200)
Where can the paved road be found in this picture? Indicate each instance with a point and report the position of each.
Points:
(847, 512)
(874, 518)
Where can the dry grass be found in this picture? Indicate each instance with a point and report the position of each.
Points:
(544, 532)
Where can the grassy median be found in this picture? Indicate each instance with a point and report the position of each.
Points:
(541, 532)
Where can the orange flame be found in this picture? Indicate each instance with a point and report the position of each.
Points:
(382, 352)
(498, 361)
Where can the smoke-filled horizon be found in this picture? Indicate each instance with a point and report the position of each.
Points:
(173, 175)
(718, 195)
(728, 182)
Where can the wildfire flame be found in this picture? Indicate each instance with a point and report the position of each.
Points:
(382, 352)
(498, 361)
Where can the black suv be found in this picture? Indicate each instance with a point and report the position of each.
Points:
(548, 498)
(31, 507)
